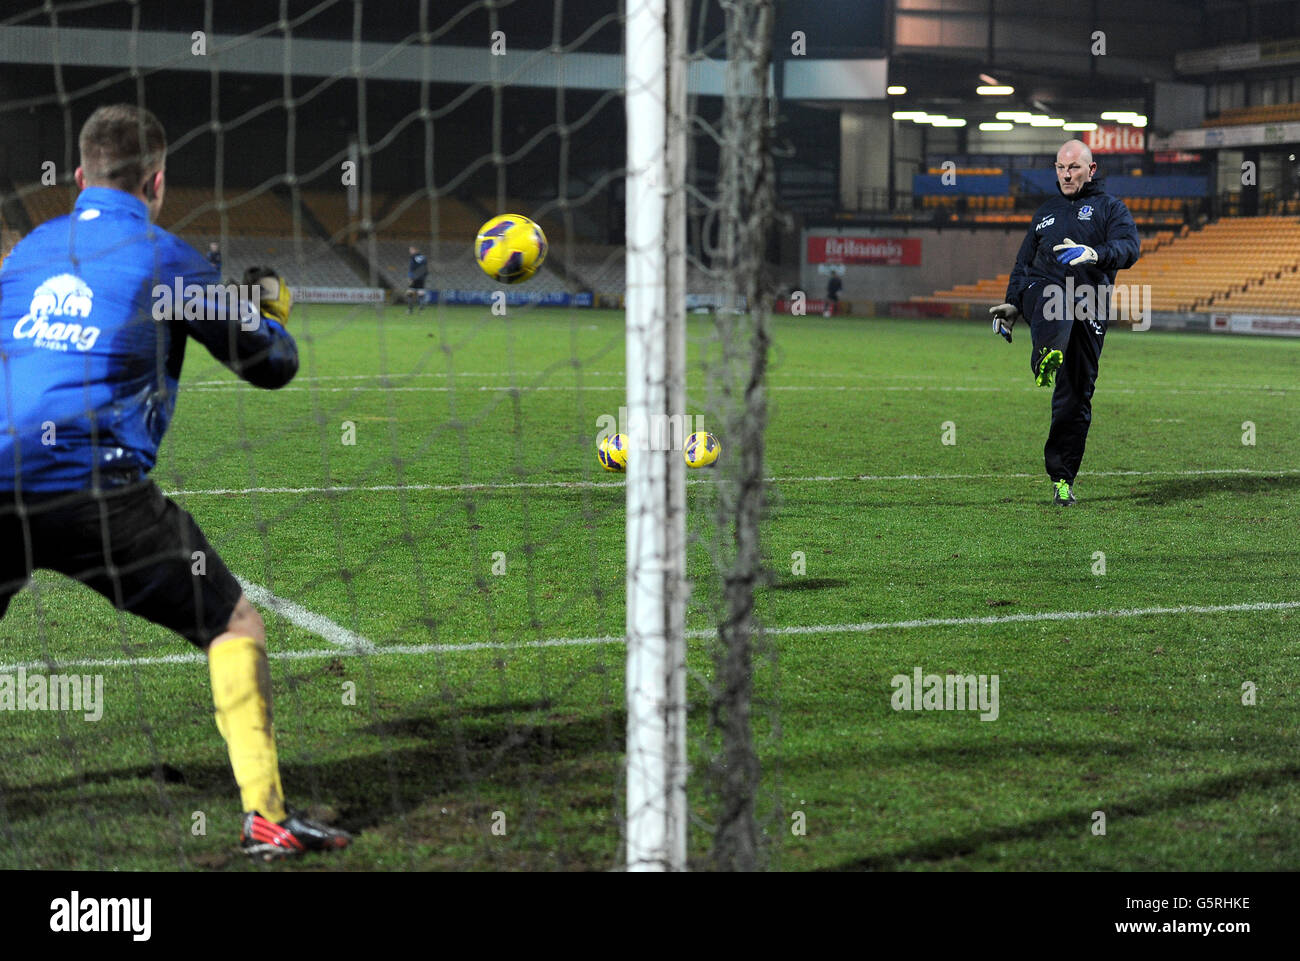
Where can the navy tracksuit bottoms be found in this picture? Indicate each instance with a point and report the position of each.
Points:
(1064, 319)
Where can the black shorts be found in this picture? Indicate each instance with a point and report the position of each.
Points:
(131, 544)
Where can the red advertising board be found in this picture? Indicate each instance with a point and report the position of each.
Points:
(1116, 138)
(868, 251)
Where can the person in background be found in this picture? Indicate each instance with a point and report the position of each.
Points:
(833, 288)
(416, 274)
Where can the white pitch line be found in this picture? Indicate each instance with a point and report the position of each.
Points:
(318, 624)
(1029, 618)
(345, 488)
(542, 388)
(400, 376)
(1209, 472)
(418, 390)
(832, 388)
(1127, 387)
(561, 485)
(863, 628)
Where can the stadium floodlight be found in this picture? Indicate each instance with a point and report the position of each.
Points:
(1123, 116)
(1019, 116)
(656, 485)
(996, 125)
(994, 90)
(909, 115)
(1080, 125)
(1139, 121)
(1046, 122)
(947, 122)
(895, 90)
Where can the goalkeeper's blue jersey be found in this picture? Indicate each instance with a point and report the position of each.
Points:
(95, 311)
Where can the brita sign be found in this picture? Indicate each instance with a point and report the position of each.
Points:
(1119, 138)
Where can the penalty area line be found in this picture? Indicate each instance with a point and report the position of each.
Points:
(318, 624)
(862, 628)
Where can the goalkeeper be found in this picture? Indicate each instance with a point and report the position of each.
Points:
(1062, 281)
(91, 347)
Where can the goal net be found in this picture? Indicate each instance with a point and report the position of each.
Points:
(483, 643)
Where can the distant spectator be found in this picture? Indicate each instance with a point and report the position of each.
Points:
(833, 288)
(214, 256)
(416, 274)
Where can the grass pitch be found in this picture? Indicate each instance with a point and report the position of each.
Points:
(429, 484)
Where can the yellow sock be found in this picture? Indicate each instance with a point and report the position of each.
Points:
(241, 691)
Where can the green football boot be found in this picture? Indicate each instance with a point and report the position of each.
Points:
(1049, 362)
(1062, 496)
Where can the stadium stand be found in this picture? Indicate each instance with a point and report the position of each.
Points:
(989, 290)
(45, 203)
(408, 216)
(260, 229)
(1272, 284)
(303, 261)
(330, 208)
(451, 266)
(196, 210)
(1199, 270)
(1270, 113)
(7, 240)
(187, 210)
(400, 216)
(1248, 264)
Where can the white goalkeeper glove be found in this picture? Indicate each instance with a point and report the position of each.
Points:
(1004, 318)
(1072, 254)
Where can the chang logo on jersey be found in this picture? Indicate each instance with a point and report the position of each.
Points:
(59, 297)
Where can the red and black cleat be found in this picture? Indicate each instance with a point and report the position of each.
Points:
(294, 836)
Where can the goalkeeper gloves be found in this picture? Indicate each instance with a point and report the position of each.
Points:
(1072, 254)
(1004, 318)
(276, 299)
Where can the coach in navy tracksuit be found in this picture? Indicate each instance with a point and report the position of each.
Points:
(1062, 281)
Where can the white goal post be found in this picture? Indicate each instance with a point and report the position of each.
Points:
(656, 487)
